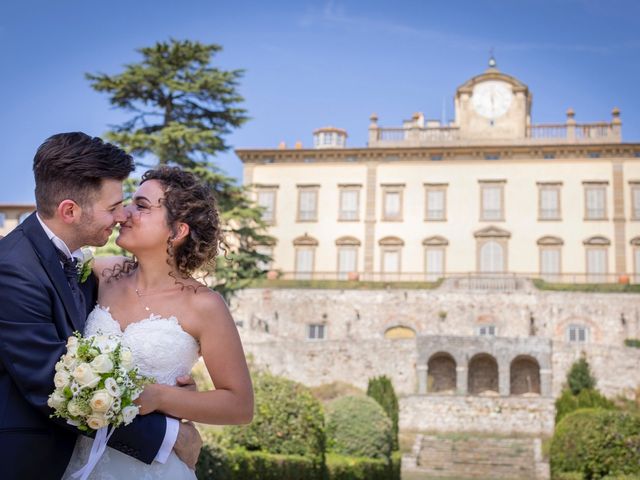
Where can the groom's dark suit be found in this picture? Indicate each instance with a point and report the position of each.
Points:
(37, 315)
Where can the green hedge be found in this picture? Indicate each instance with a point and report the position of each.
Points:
(568, 476)
(588, 398)
(341, 467)
(596, 443)
(287, 420)
(344, 284)
(358, 426)
(587, 287)
(216, 463)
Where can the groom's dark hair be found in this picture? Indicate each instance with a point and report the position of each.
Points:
(72, 166)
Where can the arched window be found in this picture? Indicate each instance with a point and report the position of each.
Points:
(305, 248)
(597, 258)
(390, 257)
(399, 332)
(492, 249)
(347, 256)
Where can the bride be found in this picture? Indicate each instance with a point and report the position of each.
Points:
(167, 318)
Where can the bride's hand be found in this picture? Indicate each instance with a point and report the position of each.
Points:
(149, 399)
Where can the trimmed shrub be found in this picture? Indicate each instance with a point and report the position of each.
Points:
(381, 390)
(217, 463)
(341, 467)
(587, 398)
(287, 420)
(579, 377)
(358, 426)
(596, 443)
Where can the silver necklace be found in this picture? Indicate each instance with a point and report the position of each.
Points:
(146, 294)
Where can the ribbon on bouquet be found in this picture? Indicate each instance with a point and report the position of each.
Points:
(97, 449)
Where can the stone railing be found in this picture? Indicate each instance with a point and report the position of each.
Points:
(414, 133)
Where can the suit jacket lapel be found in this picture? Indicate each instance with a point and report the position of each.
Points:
(49, 257)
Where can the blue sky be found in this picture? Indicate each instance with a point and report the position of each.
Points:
(315, 63)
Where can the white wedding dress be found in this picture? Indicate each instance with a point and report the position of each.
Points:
(161, 349)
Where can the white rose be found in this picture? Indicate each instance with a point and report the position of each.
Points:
(85, 375)
(75, 410)
(72, 345)
(56, 400)
(97, 421)
(105, 344)
(129, 413)
(59, 366)
(112, 387)
(61, 379)
(102, 364)
(126, 358)
(69, 361)
(101, 401)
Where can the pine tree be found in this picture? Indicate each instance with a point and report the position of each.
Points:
(181, 108)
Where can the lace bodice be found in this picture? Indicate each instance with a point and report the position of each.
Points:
(160, 347)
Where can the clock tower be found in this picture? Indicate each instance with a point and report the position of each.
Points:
(493, 106)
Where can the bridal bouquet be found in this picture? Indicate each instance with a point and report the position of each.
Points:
(96, 383)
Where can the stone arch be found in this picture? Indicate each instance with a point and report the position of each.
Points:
(525, 375)
(399, 332)
(483, 375)
(441, 373)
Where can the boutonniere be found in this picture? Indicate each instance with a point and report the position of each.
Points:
(85, 265)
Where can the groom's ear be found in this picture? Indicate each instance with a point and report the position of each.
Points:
(68, 211)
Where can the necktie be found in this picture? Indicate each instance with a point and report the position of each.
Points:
(70, 267)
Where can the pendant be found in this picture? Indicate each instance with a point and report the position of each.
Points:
(147, 308)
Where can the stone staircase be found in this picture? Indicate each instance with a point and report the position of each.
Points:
(475, 456)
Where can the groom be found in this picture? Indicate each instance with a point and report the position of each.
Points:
(79, 201)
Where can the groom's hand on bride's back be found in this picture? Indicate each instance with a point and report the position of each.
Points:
(188, 444)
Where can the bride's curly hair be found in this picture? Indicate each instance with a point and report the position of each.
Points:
(188, 200)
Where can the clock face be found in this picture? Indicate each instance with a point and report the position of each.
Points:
(491, 99)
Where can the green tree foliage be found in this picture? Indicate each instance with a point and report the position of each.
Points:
(287, 420)
(381, 390)
(596, 443)
(579, 377)
(587, 398)
(358, 426)
(181, 108)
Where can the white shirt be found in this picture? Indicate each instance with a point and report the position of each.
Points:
(173, 425)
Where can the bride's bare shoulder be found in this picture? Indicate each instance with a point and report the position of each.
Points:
(107, 267)
(209, 304)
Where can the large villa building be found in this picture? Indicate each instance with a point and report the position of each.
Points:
(488, 193)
